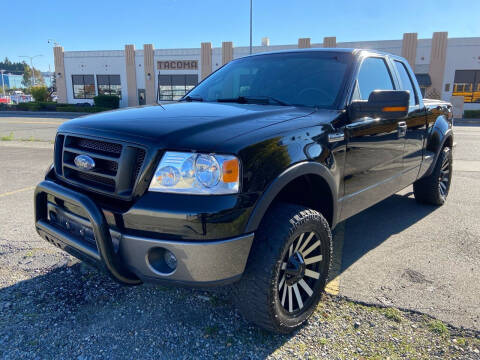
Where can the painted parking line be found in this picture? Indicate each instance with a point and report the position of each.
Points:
(31, 122)
(17, 191)
(333, 286)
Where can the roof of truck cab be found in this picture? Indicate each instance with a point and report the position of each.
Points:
(333, 50)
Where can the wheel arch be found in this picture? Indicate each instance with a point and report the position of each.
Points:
(312, 178)
(440, 136)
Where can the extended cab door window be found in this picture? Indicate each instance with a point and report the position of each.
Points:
(406, 82)
(415, 123)
(373, 75)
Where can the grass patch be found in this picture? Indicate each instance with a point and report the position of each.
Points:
(322, 341)
(217, 301)
(393, 314)
(229, 341)
(8, 137)
(30, 253)
(211, 330)
(438, 327)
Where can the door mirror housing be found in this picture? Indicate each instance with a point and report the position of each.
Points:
(385, 104)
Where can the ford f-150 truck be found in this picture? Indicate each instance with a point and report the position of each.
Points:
(243, 180)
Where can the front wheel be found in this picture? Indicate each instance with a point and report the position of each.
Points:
(287, 268)
(434, 188)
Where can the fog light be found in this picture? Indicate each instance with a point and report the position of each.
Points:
(162, 261)
(170, 259)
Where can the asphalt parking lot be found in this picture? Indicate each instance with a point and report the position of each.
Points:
(396, 254)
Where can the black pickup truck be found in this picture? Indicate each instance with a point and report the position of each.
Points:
(245, 177)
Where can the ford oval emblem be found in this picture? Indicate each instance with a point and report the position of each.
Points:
(84, 162)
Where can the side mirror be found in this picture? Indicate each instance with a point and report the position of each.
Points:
(385, 104)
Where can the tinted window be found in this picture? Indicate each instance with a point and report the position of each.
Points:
(83, 86)
(109, 85)
(303, 78)
(373, 75)
(406, 82)
(173, 87)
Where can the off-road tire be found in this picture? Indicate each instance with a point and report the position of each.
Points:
(428, 189)
(257, 293)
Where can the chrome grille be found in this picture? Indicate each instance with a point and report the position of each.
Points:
(117, 165)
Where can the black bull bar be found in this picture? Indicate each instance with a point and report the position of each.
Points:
(104, 254)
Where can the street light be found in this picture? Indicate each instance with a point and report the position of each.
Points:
(251, 27)
(31, 65)
(53, 42)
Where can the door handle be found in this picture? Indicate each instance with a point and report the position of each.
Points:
(402, 129)
(335, 137)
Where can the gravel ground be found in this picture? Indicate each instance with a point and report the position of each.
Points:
(71, 310)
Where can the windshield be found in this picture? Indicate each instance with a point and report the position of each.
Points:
(311, 79)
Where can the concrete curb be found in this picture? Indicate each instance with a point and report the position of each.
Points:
(466, 122)
(43, 113)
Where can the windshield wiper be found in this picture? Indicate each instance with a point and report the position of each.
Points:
(191, 98)
(246, 99)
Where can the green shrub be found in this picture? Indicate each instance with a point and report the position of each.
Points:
(107, 101)
(47, 105)
(73, 108)
(51, 106)
(39, 93)
(29, 106)
(471, 114)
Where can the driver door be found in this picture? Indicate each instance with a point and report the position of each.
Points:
(375, 147)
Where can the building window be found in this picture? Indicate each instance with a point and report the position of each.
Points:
(109, 85)
(467, 84)
(173, 87)
(83, 86)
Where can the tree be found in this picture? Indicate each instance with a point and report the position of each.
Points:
(27, 77)
(39, 93)
(12, 67)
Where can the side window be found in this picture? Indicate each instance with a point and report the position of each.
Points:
(373, 75)
(406, 82)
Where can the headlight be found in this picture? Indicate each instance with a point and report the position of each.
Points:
(190, 173)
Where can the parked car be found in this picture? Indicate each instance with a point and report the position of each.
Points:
(243, 180)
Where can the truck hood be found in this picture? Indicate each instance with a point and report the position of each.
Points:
(191, 125)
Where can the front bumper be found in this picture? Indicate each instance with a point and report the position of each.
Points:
(132, 259)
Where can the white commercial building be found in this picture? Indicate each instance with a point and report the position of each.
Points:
(444, 67)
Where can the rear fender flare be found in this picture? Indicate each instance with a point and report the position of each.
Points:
(441, 133)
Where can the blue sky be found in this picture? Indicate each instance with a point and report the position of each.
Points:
(105, 25)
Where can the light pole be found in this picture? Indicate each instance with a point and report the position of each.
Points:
(31, 65)
(3, 84)
(251, 26)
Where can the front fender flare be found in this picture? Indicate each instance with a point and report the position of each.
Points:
(293, 172)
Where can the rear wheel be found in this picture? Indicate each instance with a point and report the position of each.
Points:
(434, 188)
(287, 269)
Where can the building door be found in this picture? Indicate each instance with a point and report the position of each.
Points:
(141, 97)
(375, 147)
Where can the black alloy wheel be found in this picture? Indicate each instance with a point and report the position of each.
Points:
(287, 268)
